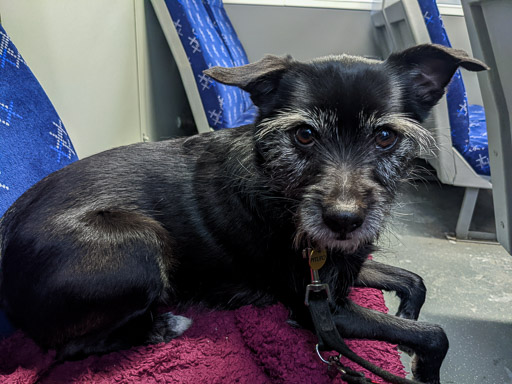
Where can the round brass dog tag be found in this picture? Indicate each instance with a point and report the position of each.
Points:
(317, 259)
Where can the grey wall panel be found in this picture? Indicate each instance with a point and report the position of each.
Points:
(302, 32)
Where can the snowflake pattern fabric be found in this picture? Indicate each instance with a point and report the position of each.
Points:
(210, 40)
(34, 142)
(468, 129)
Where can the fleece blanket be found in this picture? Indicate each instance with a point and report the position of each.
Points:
(248, 345)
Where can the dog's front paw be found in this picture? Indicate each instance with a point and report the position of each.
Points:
(423, 373)
(426, 364)
(412, 299)
(409, 310)
(406, 349)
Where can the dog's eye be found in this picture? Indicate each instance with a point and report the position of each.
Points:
(304, 136)
(386, 138)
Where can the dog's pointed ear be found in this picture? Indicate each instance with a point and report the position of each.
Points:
(427, 69)
(260, 79)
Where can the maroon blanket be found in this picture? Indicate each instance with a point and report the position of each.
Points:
(249, 345)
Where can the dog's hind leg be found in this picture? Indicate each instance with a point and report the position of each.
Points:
(95, 283)
(142, 329)
(408, 286)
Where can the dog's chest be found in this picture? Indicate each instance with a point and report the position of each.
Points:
(255, 272)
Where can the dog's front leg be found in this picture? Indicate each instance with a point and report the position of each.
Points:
(428, 341)
(408, 286)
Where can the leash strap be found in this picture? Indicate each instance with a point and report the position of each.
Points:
(329, 339)
(317, 300)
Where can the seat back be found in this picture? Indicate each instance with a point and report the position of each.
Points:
(456, 92)
(222, 24)
(208, 39)
(33, 140)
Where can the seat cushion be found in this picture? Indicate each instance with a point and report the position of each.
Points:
(205, 46)
(248, 117)
(33, 139)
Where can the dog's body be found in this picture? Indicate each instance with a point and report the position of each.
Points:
(221, 218)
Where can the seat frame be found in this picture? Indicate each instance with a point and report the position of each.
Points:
(488, 23)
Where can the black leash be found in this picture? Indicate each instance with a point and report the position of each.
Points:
(318, 299)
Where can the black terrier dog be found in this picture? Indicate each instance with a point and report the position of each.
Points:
(91, 251)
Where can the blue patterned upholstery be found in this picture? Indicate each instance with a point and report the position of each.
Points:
(209, 40)
(469, 136)
(33, 140)
(477, 153)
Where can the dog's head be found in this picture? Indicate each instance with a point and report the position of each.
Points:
(337, 134)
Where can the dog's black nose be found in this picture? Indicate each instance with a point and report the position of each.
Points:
(342, 222)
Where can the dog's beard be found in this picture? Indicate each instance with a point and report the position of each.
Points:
(312, 230)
